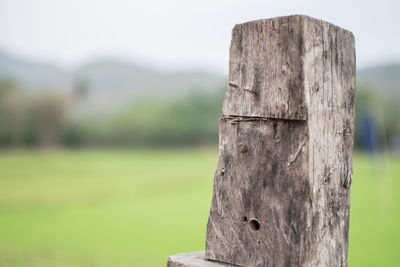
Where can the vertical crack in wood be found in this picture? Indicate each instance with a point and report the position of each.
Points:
(294, 157)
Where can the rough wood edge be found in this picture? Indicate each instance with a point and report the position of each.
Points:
(193, 259)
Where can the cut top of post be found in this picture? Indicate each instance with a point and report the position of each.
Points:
(271, 60)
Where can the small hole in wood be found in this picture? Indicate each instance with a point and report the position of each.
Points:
(245, 219)
(244, 149)
(275, 125)
(254, 225)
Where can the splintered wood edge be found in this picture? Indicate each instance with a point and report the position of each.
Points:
(194, 259)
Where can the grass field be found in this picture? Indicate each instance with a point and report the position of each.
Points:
(135, 208)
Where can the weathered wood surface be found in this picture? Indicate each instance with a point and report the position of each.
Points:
(265, 70)
(281, 188)
(193, 259)
(260, 208)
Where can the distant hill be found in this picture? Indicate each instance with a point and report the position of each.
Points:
(107, 84)
(111, 83)
(33, 76)
(384, 77)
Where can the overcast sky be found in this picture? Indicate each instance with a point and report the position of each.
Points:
(179, 33)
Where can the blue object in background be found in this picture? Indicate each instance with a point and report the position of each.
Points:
(369, 133)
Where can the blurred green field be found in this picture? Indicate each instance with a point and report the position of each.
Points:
(137, 207)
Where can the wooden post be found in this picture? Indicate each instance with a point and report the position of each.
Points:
(281, 188)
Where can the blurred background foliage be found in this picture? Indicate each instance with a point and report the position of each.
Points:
(134, 207)
(115, 103)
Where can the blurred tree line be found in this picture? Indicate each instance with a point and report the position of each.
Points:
(44, 119)
(34, 120)
(186, 120)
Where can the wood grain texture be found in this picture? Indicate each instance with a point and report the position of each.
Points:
(281, 188)
(266, 185)
(330, 82)
(264, 65)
